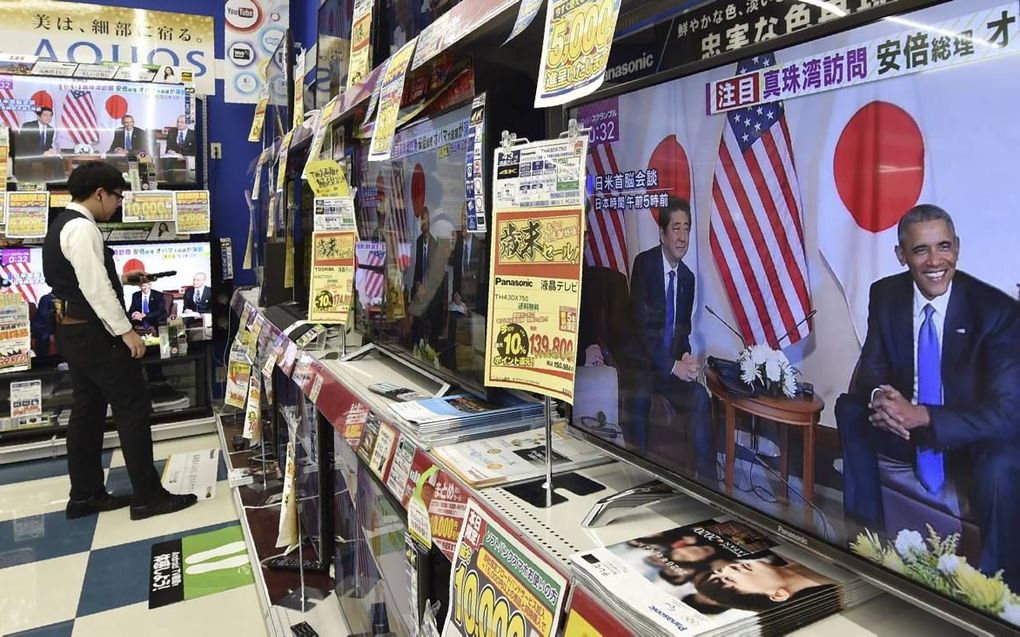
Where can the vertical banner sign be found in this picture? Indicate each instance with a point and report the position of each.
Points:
(299, 90)
(252, 31)
(27, 214)
(258, 120)
(525, 15)
(15, 341)
(474, 175)
(148, 206)
(498, 583)
(390, 95)
(192, 211)
(578, 37)
(535, 280)
(332, 277)
(58, 31)
(361, 43)
(281, 164)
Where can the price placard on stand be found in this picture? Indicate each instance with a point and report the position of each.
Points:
(331, 284)
(575, 51)
(498, 582)
(535, 279)
(148, 206)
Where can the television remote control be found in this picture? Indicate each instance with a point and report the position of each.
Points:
(294, 564)
(303, 630)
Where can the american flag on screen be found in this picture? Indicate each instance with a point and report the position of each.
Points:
(371, 272)
(20, 275)
(8, 116)
(398, 215)
(79, 117)
(607, 242)
(756, 235)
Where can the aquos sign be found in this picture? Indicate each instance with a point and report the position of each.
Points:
(88, 33)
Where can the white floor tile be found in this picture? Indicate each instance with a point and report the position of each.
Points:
(161, 450)
(41, 593)
(33, 498)
(234, 612)
(116, 527)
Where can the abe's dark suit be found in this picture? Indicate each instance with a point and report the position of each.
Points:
(157, 311)
(172, 145)
(648, 308)
(470, 275)
(978, 424)
(139, 141)
(29, 142)
(430, 312)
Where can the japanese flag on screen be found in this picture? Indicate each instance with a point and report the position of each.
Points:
(874, 167)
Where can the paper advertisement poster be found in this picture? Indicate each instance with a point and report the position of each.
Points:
(252, 31)
(575, 50)
(192, 211)
(147, 206)
(334, 213)
(535, 279)
(238, 375)
(27, 214)
(525, 15)
(496, 578)
(361, 43)
(281, 164)
(446, 512)
(15, 339)
(321, 129)
(26, 398)
(331, 282)
(326, 178)
(258, 120)
(192, 472)
(299, 90)
(390, 95)
(253, 410)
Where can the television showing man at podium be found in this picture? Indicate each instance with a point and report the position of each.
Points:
(129, 139)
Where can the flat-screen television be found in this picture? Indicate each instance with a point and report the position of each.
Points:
(887, 205)
(401, 20)
(57, 123)
(22, 270)
(333, 50)
(422, 276)
(186, 295)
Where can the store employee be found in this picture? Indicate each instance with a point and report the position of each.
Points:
(102, 351)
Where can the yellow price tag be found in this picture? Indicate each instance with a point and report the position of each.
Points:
(327, 179)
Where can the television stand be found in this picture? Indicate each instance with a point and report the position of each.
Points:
(646, 493)
(370, 348)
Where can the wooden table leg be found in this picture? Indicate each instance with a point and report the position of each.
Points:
(731, 444)
(809, 461)
(784, 457)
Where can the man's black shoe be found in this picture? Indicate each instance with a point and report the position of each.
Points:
(96, 504)
(167, 503)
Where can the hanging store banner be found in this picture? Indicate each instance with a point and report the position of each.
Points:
(496, 581)
(575, 51)
(258, 120)
(27, 214)
(361, 43)
(970, 38)
(90, 33)
(192, 211)
(332, 277)
(535, 279)
(390, 95)
(253, 29)
(525, 15)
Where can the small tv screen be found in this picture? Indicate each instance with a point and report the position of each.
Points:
(58, 123)
(422, 276)
(878, 191)
(23, 271)
(186, 295)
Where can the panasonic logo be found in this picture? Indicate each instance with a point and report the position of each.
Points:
(791, 535)
(642, 63)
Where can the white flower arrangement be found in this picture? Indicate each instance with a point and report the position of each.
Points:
(769, 368)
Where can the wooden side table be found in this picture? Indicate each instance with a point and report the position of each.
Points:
(793, 412)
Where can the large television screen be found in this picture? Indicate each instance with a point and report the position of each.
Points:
(57, 123)
(422, 277)
(186, 295)
(887, 205)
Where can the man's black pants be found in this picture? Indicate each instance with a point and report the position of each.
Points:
(103, 373)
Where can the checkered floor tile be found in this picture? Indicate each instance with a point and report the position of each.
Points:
(89, 576)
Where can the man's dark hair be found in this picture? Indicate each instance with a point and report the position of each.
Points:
(919, 214)
(716, 590)
(44, 109)
(674, 203)
(89, 177)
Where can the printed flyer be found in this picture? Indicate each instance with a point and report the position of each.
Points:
(446, 512)
(326, 178)
(27, 214)
(15, 340)
(390, 95)
(497, 582)
(192, 211)
(26, 398)
(361, 43)
(334, 213)
(535, 279)
(147, 206)
(238, 376)
(332, 278)
(575, 51)
(258, 120)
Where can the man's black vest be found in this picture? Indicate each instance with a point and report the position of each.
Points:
(62, 278)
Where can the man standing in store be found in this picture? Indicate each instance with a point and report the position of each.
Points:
(128, 140)
(102, 351)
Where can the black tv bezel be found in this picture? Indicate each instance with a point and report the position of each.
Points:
(952, 610)
(319, 66)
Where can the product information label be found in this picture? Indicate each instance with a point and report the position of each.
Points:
(332, 277)
(27, 214)
(575, 51)
(334, 213)
(192, 211)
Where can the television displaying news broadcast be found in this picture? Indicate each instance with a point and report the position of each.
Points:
(22, 270)
(57, 123)
(852, 225)
(186, 295)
